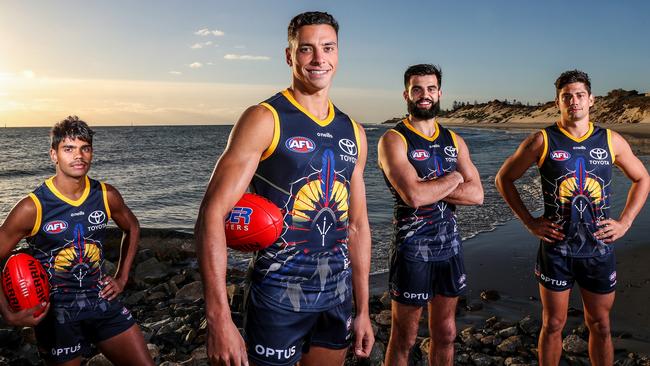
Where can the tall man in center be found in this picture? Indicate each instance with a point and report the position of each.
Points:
(307, 157)
(428, 170)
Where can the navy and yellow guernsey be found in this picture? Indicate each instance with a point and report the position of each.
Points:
(428, 233)
(576, 175)
(67, 239)
(306, 172)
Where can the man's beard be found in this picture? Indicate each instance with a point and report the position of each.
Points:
(420, 113)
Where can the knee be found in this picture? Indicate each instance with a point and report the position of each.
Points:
(599, 327)
(553, 324)
(444, 334)
(403, 339)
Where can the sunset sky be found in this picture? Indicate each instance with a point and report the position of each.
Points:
(204, 62)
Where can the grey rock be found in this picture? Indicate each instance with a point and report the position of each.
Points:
(461, 358)
(135, 298)
(151, 271)
(507, 332)
(510, 345)
(530, 326)
(513, 361)
(480, 359)
(383, 318)
(377, 354)
(574, 344)
(154, 351)
(190, 292)
(490, 295)
(424, 347)
(385, 300)
(99, 360)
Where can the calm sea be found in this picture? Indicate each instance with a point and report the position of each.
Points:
(162, 173)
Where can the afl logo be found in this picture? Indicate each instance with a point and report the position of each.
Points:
(96, 217)
(560, 155)
(420, 155)
(598, 154)
(300, 144)
(348, 146)
(451, 151)
(55, 227)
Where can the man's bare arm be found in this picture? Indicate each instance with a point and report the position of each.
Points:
(250, 136)
(470, 192)
(611, 229)
(404, 178)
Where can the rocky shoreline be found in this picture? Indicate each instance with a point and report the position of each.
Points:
(165, 295)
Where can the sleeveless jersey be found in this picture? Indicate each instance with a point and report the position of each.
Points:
(576, 175)
(67, 239)
(306, 172)
(427, 233)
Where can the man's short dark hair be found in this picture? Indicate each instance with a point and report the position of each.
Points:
(72, 128)
(572, 76)
(310, 18)
(421, 70)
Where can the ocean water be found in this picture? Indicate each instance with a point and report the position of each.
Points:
(162, 173)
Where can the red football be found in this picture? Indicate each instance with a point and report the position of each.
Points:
(24, 282)
(253, 224)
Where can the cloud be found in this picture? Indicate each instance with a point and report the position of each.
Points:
(232, 56)
(209, 63)
(200, 45)
(29, 74)
(196, 65)
(176, 72)
(240, 46)
(207, 32)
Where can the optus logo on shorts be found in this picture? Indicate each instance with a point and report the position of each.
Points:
(55, 227)
(420, 155)
(300, 144)
(280, 354)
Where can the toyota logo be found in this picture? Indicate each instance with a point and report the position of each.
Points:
(96, 217)
(598, 153)
(348, 146)
(451, 151)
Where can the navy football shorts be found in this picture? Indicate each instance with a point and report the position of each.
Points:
(275, 336)
(558, 273)
(414, 282)
(62, 340)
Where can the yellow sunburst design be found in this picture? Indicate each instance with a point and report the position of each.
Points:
(68, 256)
(569, 187)
(310, 198)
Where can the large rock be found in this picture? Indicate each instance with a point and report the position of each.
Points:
(510, 345)
(574, 344)
(151, 271)
(530, 326)
(507, 332)
(190, 292)
(383, 318)
(99, 360)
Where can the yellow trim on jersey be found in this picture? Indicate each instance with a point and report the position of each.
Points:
(406, 145)
(50, 184)
(39, 214)
(577, 139)
(105, 197)
(355, 127)
(545, 151)
(276, 132)
(453, 138)
(609, 144)
(320, 122)
(419, 133)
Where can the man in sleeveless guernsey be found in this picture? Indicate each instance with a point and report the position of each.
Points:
(306, 156)
(429, 171)
(576, 232)
(64, 222)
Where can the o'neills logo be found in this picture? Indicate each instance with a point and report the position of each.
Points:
(300, 144)
(420, 155)
(560, 155)
(55, 227)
